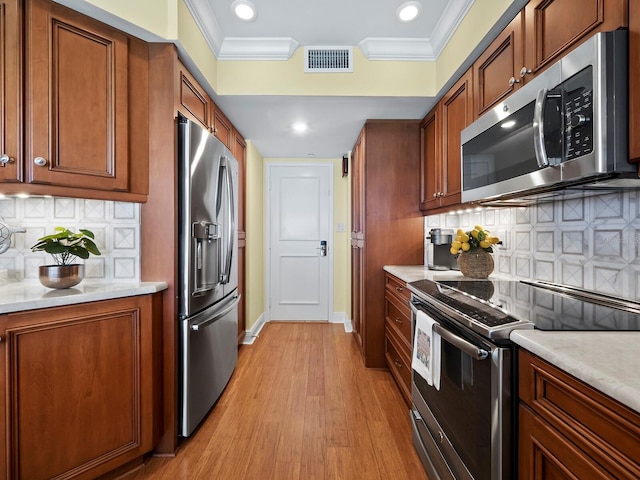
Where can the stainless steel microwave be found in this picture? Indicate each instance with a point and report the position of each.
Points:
(566, 128)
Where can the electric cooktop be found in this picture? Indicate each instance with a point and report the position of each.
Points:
(497, 304)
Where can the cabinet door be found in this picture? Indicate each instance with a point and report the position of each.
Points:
(11, 89)
(357, 288)
(543, 453)
(239, 151)
(430, 160)
(76, 100)
(80, 381)
(222, 127)
(457, 106)
(496, 73)
(357, 186)
(554, 26)
(193, 102)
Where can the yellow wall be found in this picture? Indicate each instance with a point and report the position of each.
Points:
(155, 16)
(476, 24)
(254, 224)
(287, 77)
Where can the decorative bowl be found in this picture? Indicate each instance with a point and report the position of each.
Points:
(61, 276)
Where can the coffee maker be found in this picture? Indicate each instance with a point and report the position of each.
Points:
(439, 256)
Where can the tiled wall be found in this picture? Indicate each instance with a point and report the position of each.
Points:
(116, 226)
(591, 242)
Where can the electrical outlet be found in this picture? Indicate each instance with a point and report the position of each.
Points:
(341, 227)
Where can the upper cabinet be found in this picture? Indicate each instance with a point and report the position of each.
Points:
(85, 105)
(10, 91)
(552, 27)
(536, 38)
(440, 162)
(497, 72)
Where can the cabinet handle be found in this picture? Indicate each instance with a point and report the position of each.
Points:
(4, 159)
(398, 363)
(398, 321)
(39, 161)
(524, 71)
(399, 289)
(513, 81)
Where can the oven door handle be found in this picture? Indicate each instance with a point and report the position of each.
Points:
(467, 347)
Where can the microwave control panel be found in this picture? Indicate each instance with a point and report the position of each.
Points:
(578, 111)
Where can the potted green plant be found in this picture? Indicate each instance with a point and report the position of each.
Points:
(65, 247)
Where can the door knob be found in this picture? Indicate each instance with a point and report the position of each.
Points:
(39, 161)
(4, 159)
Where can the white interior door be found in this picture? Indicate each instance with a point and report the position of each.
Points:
(299, 218)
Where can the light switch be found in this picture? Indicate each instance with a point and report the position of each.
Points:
(341, 227)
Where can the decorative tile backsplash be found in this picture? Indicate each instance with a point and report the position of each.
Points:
(591, 242)
(116, 226)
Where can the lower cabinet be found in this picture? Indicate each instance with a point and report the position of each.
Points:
(569, 430)
(398, 340)
(81, 387)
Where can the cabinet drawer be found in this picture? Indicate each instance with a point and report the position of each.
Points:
(399, 363)
(398, 316)
(606, 430)
(397, 286)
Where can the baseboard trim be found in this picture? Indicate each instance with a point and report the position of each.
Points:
(250, 336)
(341, 317)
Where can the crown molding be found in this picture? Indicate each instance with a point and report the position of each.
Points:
(448, 24)
(409, 49)
(257, 48)
(207, 22)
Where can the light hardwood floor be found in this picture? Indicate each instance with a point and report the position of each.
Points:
(300, 405)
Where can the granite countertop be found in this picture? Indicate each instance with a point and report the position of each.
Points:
(608, 361)
(31, 295)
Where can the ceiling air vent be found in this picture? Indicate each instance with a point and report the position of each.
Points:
(328, 59)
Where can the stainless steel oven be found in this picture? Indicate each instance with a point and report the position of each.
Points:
(464, 430)
(467, 428)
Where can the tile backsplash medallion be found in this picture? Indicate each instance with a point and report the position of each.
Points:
(591, 242)
(116, 226)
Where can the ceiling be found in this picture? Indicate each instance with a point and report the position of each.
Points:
(334, 122)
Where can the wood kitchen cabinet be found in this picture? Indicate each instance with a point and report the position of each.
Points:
(441, 177)
(11, 90)
(569, 430)
(159, 252)
(497, 72)
(387, 226)
(195, 104)
(553, 27)
(398, 341)
(81, 385)
(239, 151)
(85, 122)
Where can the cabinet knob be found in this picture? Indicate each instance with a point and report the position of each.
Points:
(399, 289)
(398, 321)
(524, 71)
(39, 161)
(398, 363)
(513, 81)
(4, 159)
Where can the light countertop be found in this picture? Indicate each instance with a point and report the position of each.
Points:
(608, 361)
(30, 295)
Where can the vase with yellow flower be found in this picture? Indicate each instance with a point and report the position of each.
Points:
(474, 249)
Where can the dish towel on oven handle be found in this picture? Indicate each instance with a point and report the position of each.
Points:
(426, 350)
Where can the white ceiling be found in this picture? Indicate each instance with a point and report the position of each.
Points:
(334, 122)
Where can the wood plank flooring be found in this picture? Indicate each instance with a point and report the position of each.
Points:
(300, 405)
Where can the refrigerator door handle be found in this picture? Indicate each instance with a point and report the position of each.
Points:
(200, 325)
(231, 224)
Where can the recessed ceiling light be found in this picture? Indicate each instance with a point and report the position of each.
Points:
(408, 11)
(299, 127)
(244, 10)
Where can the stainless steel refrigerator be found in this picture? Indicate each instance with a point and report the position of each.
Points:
(208, 271)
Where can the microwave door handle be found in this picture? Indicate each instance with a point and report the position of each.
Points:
(538, 129)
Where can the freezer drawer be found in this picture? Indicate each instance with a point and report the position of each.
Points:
(209, 356)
